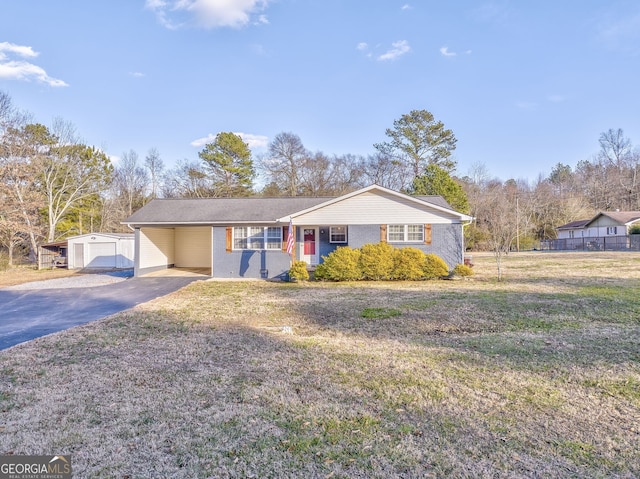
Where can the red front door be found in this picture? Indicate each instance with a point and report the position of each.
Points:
(309, 241)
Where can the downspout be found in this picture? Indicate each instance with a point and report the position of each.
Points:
(463, 246)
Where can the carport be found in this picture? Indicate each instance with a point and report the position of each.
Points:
(186, 248)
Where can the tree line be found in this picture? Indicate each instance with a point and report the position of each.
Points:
(52, 185)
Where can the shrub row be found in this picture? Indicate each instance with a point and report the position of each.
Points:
(380, 262)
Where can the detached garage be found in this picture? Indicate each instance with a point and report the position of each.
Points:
(101, 251)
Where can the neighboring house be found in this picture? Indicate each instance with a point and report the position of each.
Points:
(605, 223)
(247, 237)
(608, 230)
(101, 251)
(574, 229)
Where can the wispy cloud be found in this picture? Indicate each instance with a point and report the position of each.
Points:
(12, 68)
(254, 141)
(208, 14)
(362, 46)
(445, 52)
(405, 7)
(398, 49)
(136, 74)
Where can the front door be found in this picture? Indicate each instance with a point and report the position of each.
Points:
(310, 246)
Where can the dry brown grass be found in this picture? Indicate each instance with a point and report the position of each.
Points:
(27, 274)
(534, 376)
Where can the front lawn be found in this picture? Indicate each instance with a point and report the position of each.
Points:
(534, 376)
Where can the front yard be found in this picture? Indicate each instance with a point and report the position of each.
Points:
(535, 376)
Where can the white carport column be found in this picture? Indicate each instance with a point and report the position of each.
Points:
(136, 253)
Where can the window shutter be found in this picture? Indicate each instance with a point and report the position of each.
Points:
(383, 233)
(285, 238)
(229, 239)
(427, 234)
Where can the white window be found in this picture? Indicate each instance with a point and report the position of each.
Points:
(612, 230)
(337, 234)
(405, 233)
(274, 237)
(256, 237)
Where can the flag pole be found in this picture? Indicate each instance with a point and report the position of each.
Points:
(291, 241)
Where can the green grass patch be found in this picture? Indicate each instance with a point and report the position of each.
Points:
(380, 313)
(627, 388)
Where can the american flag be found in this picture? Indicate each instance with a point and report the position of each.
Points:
(290, 238)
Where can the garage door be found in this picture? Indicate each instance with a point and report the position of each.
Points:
(101, 255)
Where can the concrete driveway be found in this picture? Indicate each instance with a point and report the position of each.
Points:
(26, 314)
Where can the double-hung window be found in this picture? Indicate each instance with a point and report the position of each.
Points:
(337, 234)
(257, 237)
(405, 233)
(612, 230)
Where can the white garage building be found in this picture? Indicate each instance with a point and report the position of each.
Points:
(101, 251)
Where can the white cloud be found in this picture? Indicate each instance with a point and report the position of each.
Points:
(203, 141)
(445, 52)
(406, 6)
(208, 13)
(254, 141)
(399, 48)
(20, 50)
(13, 69)
(136, 74)
(362, 46)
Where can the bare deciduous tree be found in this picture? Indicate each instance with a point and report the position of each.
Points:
(153, 162)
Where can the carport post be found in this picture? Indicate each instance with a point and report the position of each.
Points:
(136, 253)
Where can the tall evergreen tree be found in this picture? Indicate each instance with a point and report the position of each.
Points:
(229, 163)
(436, 181)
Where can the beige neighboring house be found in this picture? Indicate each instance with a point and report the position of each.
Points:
(605, 223)
(608, 230)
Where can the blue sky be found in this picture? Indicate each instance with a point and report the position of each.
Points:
(522, 84)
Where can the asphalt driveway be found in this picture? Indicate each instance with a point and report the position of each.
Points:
(31, 313)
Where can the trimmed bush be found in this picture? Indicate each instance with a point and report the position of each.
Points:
(434, 267)
(376, 261)
(408, 264)
(340, 265)
(463, 270)
(298, 271)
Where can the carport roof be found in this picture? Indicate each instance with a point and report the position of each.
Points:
(207, 211)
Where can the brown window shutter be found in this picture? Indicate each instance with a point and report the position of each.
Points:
(285, 238)
(427, 234)
(229, 239)
(383, 233)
